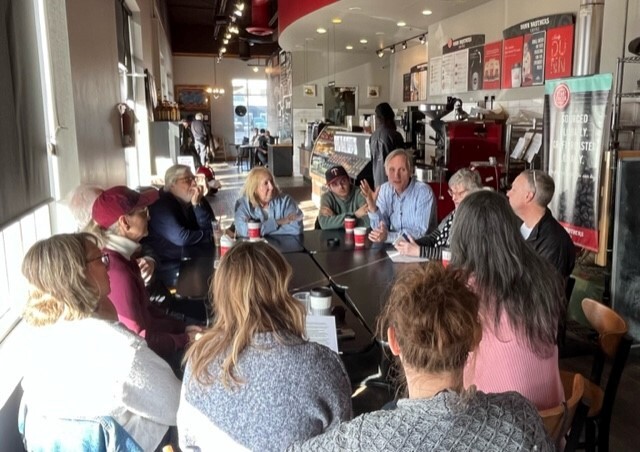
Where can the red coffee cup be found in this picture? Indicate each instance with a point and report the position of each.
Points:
(359, 235)
(254, 230)
(226, 243)
(349, 224)
(446, 256)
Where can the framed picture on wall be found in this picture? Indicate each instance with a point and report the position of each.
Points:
(373, 91)
(192, 97)
(309, 90)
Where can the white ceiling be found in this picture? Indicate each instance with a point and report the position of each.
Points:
(373, 20)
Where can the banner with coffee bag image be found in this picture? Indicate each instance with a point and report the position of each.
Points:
(575, 121)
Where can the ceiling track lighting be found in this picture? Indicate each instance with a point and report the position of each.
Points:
(422, 38)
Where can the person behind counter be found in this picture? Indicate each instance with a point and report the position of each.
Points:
(180, 223)
(401, 205)
(340, 200)
(521, 302)
(83, 364)
(384, 140)
(262, 201)
(253, 381)
(463, 182)
(432, 324)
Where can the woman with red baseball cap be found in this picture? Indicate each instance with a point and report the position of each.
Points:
(120, 218)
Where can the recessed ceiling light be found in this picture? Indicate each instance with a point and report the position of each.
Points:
(427, 12)
(349, 47)
(402, 23)
(336, 20)
(355, 8)
(363, 41)
(379, 33)
(321, 30)
(255, 69)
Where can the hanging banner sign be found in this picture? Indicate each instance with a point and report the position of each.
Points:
(575, 112)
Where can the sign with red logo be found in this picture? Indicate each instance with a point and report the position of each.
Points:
(561, 96)
(575, 119)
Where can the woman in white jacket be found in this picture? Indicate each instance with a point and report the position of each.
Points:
(83, 364)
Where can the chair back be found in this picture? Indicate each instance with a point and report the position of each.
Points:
(559, 419)
(608, 323)
(100, 434)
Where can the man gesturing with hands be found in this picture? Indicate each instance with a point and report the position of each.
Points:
(402, 205)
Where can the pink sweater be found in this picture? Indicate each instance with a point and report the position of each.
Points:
(503, 363)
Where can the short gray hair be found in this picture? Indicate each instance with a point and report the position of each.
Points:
(468, 178)
(397, 152)
(542, 184)
(173, 174)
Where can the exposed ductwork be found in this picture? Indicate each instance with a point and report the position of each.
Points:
(260, 18)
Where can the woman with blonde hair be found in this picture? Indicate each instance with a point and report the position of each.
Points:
(432, 324)
(252, 380)
(262, 201)
(82, 363)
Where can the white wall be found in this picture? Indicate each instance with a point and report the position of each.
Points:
(346, 69)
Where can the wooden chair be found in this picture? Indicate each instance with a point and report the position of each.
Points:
(614, 345)
(569, 416)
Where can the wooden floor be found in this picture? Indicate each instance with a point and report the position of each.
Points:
(625, 426)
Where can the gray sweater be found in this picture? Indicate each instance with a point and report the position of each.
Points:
(445, 422)
(291, 392)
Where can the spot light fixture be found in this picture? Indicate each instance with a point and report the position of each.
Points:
(422, 38)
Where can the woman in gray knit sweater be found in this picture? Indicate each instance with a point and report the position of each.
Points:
(431, 321)
(252, 381)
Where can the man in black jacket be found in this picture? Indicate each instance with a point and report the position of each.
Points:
(529, 196)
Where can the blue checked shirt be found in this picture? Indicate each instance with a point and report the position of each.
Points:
(412, 212)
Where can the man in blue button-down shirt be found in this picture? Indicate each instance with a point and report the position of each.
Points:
(403, 205)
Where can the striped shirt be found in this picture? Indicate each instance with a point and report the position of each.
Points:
(412, 212)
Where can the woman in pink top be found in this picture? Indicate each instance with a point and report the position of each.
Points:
(521, 302)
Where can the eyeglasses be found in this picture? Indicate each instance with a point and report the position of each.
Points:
(535, 182)
(188, 179)
(144, 212)
(104, 258)
(457, 194)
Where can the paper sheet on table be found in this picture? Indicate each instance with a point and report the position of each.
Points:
(322, 329)
(395, 256)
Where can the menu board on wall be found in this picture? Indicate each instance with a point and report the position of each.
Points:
(446, 74)
(435, 76)
(543, 41)
(559, 52)
(460, 71)
(512, 62)
(475, 74)
(575, 121)
(492, 64)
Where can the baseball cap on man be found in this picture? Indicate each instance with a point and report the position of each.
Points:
(208, 174)
(335, 172)
(118, 201)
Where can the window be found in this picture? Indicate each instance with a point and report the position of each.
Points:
(253, 95)
(29, 221)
